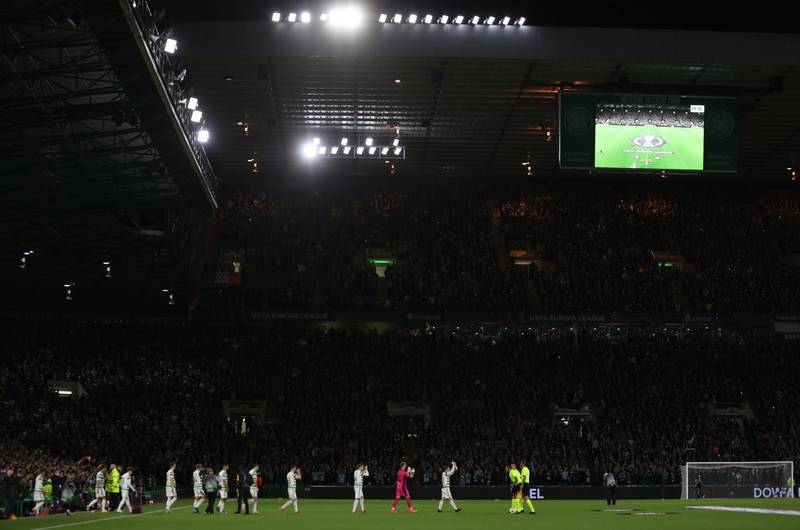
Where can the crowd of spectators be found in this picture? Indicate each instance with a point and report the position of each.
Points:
(639, 400)
(587, 252)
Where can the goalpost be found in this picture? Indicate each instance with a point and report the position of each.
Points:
(751, 480)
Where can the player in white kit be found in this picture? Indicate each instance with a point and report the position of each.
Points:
(99, 490)
(223, 488)
(126, 486)
(358, 486)
(197, 486)
(172, 487)
(254, 487)
(38, 493)
(448, 472)
(291, 486)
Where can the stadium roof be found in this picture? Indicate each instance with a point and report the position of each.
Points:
(468, 100)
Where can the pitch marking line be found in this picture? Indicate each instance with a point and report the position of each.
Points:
(105, 519)
(746, 510)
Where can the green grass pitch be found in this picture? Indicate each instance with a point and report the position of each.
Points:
(683, 147)
(476, 515)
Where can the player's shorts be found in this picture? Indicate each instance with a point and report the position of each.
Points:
(100, 493)
(223, 494)
(401, 492)
(292, 494)
(254, 491)
(516, 489)
(446, 493)
(359, 491)
(198, 492)
(525, 489)
(124, 495)
(38, 497)
(171, 492)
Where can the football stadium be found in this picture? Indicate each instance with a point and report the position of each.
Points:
(384, 265)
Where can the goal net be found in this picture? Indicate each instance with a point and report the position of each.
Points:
(717, 480)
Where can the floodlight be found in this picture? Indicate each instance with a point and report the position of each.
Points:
(384, 150)
(171, 46)
(382, 18)
(344, 141)
(372, 150)
(490, 21)
(192, 103)
(324, 17)
(305, 17)
(360, 150)
(397, 19)
(412, 19)
(428, 19)
(316, 140)
(368, 141)
(349, 17)
(346, 150)
(520, 21)
(397, 151)
(292, 17)
(396, 142)
(276, 17)
(334, 150)
(505, 21)
(197, 115)
(321, 150)
(203, 135)
(444, 19)
(475, 19)
(459, 19)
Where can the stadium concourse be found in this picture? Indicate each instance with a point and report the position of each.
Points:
(353, 254)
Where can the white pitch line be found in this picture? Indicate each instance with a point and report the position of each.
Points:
(746, 510)
(105, 519)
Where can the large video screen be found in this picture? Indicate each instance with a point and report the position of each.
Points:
(649, 136)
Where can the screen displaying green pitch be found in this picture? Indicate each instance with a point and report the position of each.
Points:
(641, 136)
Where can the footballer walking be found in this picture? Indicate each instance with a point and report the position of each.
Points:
(449, 470)
(291, 488)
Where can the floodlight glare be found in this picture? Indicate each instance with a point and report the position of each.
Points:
(397, 151)
(368, 142)
(505, 21)
(309, 151)
(192, 103)
(334, 150)
(197, 115)
(344, 141)
(346, 150)
(459, 19)
(490, 20)
(398, 18)
(305, 17)
(396, 142)
(372, 150)
(203, 135)
(475, 19)
(384, 150)
(412, 19)
(292, 17)
(360, 150)
(428, 19)
(276, 17)
(171, 46)
(520, 21)
(316, 140)
(323, 17)
(382, 18)
(348, 17)
(321, 150)
(444, 19)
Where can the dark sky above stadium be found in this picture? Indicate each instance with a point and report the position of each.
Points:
(722, 16)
